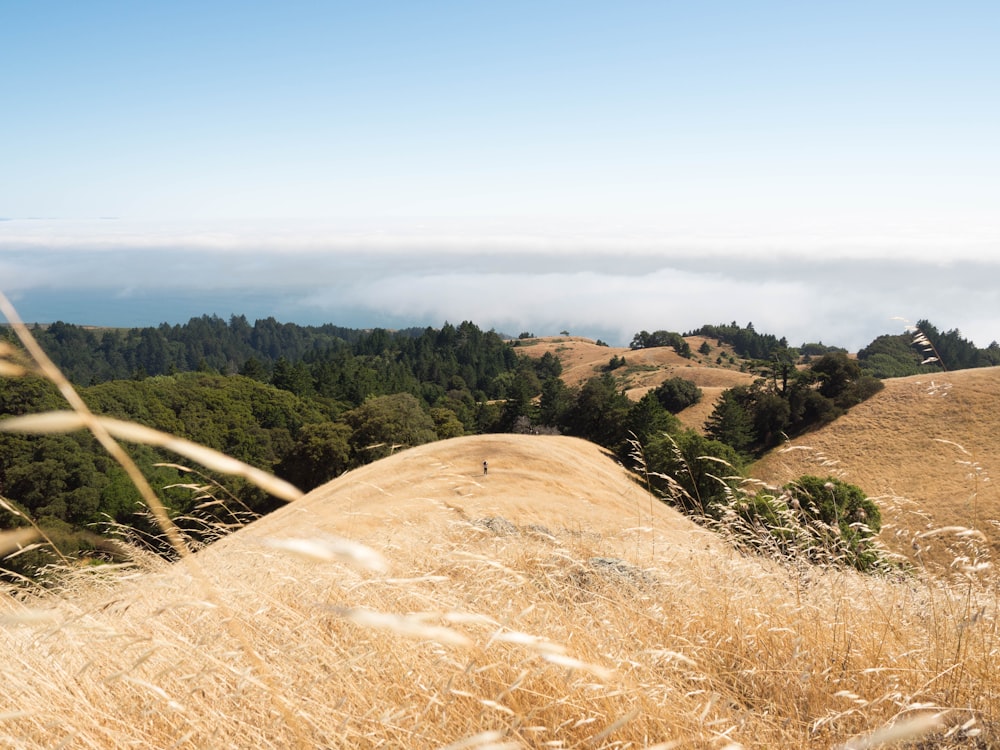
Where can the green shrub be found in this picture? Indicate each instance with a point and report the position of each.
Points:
(677, 394)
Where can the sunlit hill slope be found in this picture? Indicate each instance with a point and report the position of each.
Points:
(926, 447)
(550, 603)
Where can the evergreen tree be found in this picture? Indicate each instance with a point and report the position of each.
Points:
(647, 418)
(320, 453)
(730, 422)
(556, 402)
(691, 471)
(599, 413)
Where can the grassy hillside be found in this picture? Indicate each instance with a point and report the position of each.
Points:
(926, 447)
(645, 368)
(551, 603)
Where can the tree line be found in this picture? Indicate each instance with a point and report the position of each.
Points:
(925, 349)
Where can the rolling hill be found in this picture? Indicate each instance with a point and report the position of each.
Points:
(435, 485)
(924, 447)
(645, 369)
(549, 604)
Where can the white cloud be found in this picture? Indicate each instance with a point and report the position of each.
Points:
(612, 283)
(842, 311)
(574, 238)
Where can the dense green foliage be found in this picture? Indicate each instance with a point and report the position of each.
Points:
(746, 342)
(398, 360)
(893, 356)
(647, 340)
(677, 394)
(753, 418)
(826, 520)
(66, 483)
(89, 356)
(835, 503)
(924, 350)
(384, 424)
(697, 474)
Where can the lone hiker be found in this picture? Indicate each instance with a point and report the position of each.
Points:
(486, 466)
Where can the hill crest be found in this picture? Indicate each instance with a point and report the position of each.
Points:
(644, 369)
(534, 481)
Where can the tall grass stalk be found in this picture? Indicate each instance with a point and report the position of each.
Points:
(100, 431)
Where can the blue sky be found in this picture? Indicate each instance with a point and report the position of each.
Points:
(606, 167)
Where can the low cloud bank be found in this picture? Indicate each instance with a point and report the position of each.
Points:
(543, 287)
(571, 238)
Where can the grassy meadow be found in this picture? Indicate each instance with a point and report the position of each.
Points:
(553, 603)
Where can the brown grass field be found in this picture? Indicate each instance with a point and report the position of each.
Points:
(553, 603)
(926, 448)
(582, 359)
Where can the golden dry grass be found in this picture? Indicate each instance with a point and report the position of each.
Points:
(926, 447)
(552, 603)
(582, 359)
